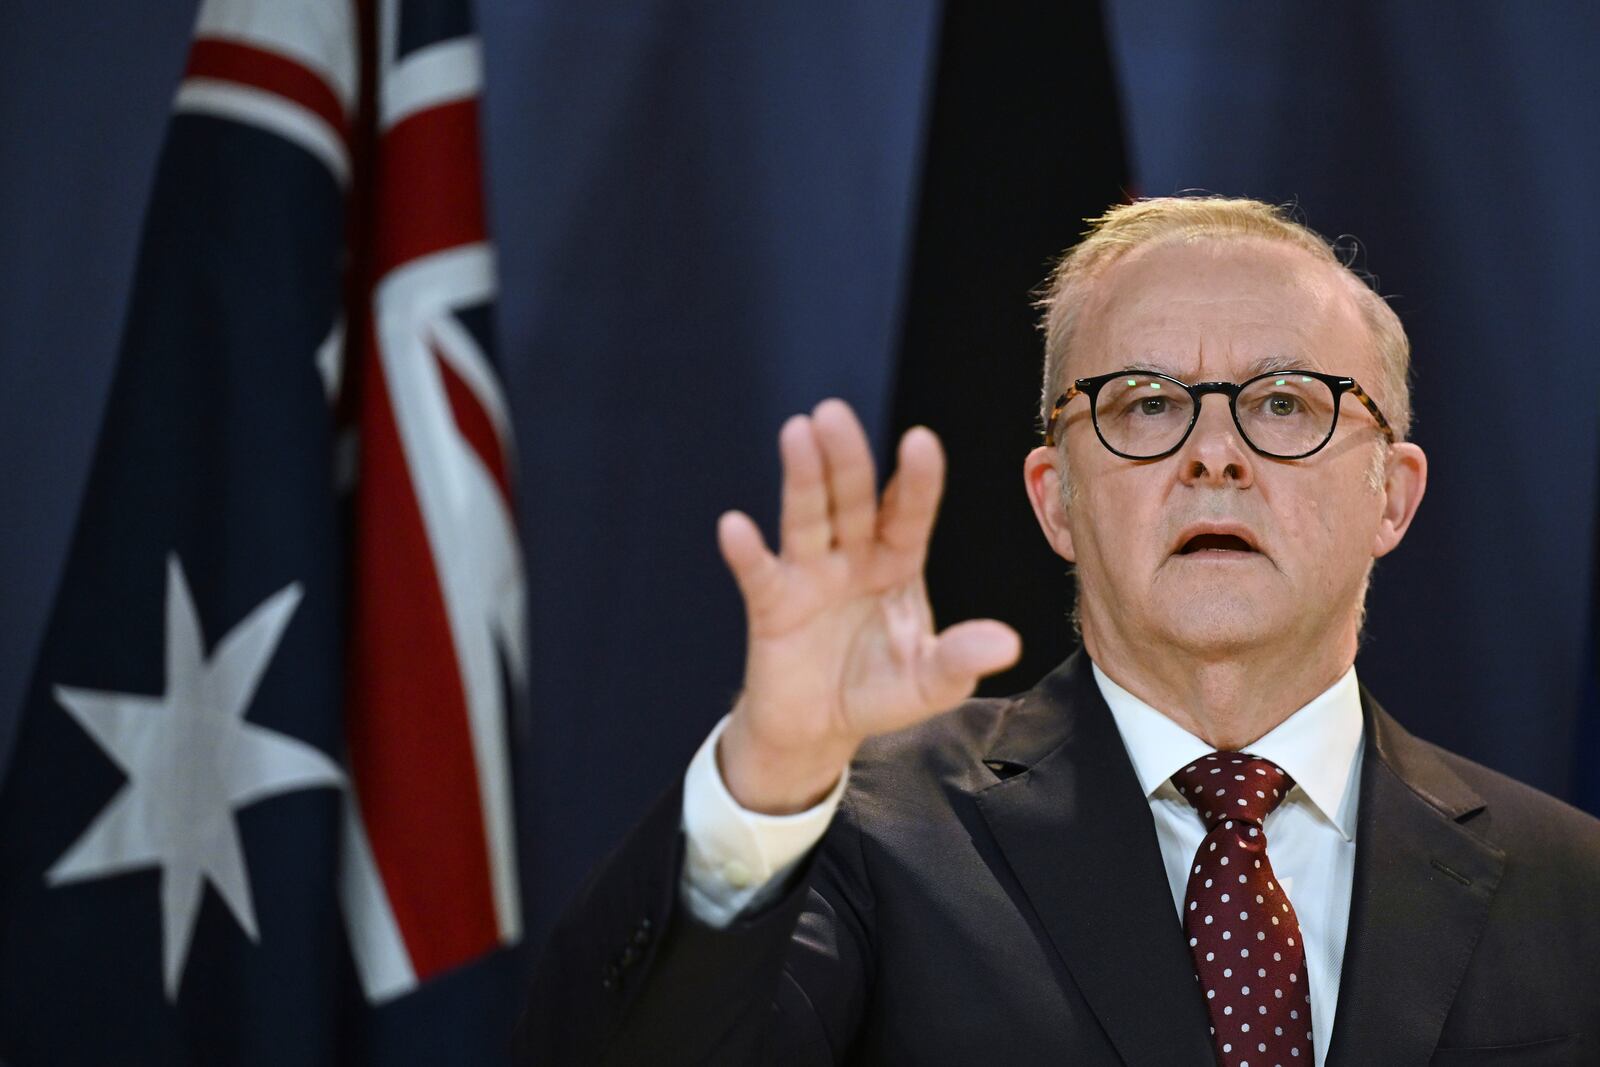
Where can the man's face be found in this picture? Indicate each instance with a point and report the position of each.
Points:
(1161, 545)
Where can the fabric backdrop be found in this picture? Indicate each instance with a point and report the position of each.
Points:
(710, 215)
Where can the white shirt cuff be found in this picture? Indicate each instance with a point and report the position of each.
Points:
(737, 859)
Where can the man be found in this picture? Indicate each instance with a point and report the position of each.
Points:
(1199, 840)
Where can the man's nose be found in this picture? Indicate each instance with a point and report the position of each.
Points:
(1215, 455)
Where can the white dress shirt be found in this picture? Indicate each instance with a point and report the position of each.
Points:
(1311, 836)
(737, 860)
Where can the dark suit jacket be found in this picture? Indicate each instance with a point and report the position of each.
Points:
(992, 891)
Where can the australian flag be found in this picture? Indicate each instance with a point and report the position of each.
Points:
(260, 810)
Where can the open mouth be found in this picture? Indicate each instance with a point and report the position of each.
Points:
(1214, 542)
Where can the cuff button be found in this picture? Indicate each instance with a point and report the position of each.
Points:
(736, 874)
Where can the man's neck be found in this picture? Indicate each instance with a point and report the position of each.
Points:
(1227, 700)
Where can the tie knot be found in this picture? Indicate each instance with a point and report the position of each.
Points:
(1233, 785)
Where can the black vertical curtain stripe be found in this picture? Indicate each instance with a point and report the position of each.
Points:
(1025, 141)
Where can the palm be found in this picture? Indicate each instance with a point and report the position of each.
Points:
(841, 638)
(845, 633)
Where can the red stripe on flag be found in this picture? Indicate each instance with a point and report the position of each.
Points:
(430, 185)
(411, 750)
(269, 72)
(476, 428)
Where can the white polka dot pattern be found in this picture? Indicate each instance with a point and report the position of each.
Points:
(1242, 930)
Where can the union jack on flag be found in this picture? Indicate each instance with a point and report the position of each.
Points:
(430, 874)
(270, 718)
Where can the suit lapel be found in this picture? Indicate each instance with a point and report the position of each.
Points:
(1076, 831)
(1419, 900)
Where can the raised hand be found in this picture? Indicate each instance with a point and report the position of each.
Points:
(841, 638)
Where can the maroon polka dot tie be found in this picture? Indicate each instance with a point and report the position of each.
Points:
(1243, 934)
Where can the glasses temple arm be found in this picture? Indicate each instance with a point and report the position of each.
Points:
(1372, 406)
(1055, 413)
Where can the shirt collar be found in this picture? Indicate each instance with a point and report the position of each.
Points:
(1319, 745)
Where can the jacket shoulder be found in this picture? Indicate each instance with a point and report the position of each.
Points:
(950, 742)
(912, 773)
(1533, 828)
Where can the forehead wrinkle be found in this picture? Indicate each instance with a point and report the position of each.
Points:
(1160, 362)
(1145, 317)
(1183, 348)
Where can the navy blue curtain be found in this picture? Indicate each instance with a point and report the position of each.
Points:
(710, 215)
(704, 213)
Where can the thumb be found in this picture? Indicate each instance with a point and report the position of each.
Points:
(961, 655)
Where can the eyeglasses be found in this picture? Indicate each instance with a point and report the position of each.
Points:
(1281, 414)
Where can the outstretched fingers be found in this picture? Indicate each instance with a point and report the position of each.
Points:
(754, 567)
(905, 521)
(852, 481)
(804, 526)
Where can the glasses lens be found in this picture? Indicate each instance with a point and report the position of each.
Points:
(1142, 414)
(1286, 414)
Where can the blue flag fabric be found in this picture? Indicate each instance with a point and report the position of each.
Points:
(205, 857)
(168, 828)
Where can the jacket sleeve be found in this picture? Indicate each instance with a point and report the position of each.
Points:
(631, 976)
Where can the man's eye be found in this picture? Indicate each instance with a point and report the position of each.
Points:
(1282, 404)
(1153, 405)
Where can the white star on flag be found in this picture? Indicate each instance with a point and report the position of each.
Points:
(191, 762)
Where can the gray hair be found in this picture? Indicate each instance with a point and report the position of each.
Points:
(1127, 227)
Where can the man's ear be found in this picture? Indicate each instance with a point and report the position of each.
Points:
(1405, 480)
(1041, 475)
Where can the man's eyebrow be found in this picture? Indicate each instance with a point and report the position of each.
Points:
(1274, 363)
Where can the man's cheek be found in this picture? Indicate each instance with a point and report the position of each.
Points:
(1313, 526)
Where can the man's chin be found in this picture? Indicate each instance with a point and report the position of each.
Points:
(1220, 624)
